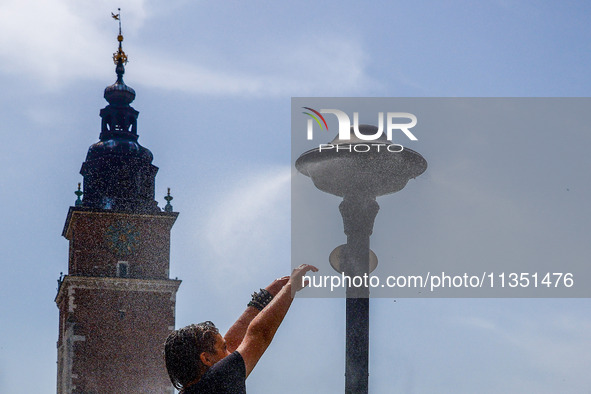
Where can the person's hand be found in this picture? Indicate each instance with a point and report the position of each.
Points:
(277, 285)
(297, 276)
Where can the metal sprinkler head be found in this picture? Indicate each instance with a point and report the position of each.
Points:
(359, 170)
(357, 167)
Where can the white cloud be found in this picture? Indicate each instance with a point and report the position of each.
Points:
(59, 42)
(293, 69)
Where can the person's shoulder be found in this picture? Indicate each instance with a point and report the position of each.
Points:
(234, 360)
(235, 356)
(226, 376)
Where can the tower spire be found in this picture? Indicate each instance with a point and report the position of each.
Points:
(118, 171)
(119, 57)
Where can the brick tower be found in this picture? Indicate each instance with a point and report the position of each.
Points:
(116, 303)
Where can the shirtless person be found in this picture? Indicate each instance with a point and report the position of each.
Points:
(200, 360)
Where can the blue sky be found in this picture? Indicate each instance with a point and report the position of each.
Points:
(213, 83)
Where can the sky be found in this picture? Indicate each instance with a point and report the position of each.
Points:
(214, 82)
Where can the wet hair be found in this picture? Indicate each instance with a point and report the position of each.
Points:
(183, 348)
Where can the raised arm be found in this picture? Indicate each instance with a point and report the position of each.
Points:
(263, 327)
(236, 333)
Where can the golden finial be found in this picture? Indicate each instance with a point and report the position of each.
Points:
(119, 56)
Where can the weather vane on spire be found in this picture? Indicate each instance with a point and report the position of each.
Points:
(119, 56)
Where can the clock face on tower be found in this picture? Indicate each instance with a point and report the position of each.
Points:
(122, 238)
